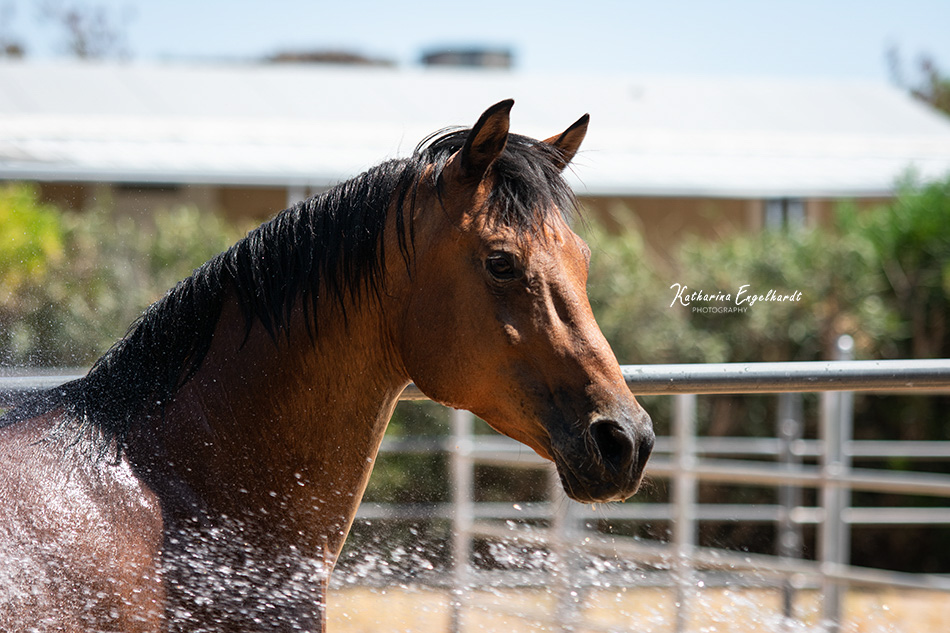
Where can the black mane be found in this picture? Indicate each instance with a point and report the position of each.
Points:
(330, 243)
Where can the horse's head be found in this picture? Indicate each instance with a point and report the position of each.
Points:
(497, 320)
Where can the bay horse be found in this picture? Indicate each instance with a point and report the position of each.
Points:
(203, 475)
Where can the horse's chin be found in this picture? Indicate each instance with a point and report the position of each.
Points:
(594, 489)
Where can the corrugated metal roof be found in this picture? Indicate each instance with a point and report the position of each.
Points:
(315, 125)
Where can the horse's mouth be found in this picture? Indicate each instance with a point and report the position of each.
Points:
(608, 466)
(587, 489)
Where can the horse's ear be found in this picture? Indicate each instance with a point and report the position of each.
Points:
(569, 141)
(486, 141)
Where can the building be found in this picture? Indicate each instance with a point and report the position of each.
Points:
(669, 154)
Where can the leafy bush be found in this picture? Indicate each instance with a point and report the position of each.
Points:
(631, 295)
(880, 275)
(836, 272)
(32, 238)
(72, 283)
(910, 241)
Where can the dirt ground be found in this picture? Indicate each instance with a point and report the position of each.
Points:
(644, 610)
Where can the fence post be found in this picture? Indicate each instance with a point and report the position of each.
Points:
(464, 516)
(834, 539)
(789, 431)
(684, 502)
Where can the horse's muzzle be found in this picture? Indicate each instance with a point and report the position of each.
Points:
(608, 464)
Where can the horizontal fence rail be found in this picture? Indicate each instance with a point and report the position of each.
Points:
(14, 388)
(706, 378)
(839, 375)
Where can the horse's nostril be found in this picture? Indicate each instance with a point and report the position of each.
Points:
(614, 445)
(644, 448)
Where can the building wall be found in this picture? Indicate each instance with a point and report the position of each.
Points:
(666, 221)
(251, 203)
(142, 200)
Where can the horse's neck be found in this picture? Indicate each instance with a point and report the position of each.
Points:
(289, 429)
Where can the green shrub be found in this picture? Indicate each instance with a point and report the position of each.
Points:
(910, 240)
(72, 283)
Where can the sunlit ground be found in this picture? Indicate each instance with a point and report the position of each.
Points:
(647, 610)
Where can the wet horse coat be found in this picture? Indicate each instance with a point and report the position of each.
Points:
(204, 474)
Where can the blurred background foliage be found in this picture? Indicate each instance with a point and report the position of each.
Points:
(72, 283)
(882, 276)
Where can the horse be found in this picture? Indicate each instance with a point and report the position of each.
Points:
(204, 473)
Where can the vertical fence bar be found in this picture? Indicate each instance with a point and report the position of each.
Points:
(462, 467)
(829, 546)
(845, 438)
(684, 502)
(789, 430)
(834, 541)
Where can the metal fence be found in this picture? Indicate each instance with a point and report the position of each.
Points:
(787, 462)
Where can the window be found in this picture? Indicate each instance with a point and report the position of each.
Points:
(784, 213)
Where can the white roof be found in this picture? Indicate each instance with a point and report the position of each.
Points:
(315, 125)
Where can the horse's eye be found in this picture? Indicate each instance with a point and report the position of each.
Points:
(502, 266)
